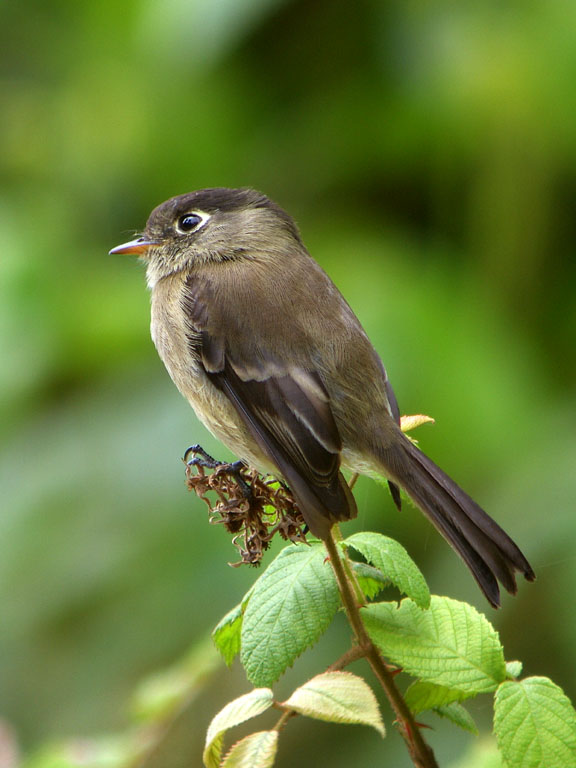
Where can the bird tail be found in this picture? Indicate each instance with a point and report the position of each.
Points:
(486, 549)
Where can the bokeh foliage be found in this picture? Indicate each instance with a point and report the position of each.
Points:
(428, 151)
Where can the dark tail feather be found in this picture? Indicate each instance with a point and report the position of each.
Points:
(395, 493)
(486, 549)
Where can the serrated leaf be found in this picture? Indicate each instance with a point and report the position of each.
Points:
(291, 605)
(394, 562)
(535, 724)
(370, 579)
(421, 696)
(443, 701)
(226, 634)
(456, 713)
(513, 669)
(235, 712)
(338, 697)
(451, 644)
(255, 751)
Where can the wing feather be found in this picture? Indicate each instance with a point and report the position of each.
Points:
(286, 410)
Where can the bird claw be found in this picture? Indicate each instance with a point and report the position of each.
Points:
(203, 460)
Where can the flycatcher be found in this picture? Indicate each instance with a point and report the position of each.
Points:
(264, 347)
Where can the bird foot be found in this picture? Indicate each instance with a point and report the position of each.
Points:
(201, 458)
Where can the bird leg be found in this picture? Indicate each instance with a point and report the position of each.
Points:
(235, 470)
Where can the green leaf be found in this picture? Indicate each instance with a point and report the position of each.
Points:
(255, 751)
(456, 713)
(420, 696)
(535, 724)
(226, 634)
(235, 712)
(394, 562)
(337, 697)
(513, 669)
(451, 644)
(291, 605)
(370, 579)
(443, 701)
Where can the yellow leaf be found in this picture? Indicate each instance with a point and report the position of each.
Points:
(411, 422)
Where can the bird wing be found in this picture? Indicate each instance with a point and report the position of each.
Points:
(286, 410)
(395, 411)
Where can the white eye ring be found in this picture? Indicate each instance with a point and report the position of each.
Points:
(191, 222)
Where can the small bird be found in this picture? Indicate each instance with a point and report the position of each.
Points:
(275, 363)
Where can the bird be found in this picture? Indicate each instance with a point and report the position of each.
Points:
(276, 365)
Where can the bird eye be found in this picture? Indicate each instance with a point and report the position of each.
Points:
(190, 222)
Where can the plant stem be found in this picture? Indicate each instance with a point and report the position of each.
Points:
(286, 715)
(421, 754)
(352, 654)
(347, 565)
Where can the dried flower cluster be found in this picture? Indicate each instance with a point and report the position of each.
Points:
(250, 506)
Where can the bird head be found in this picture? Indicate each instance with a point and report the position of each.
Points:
(208, 226)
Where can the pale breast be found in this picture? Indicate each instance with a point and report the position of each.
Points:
(174, 340)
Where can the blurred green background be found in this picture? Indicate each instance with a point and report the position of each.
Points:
(428, 152)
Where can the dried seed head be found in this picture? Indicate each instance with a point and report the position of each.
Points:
(252, 507)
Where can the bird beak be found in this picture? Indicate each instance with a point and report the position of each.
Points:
(139, 245)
